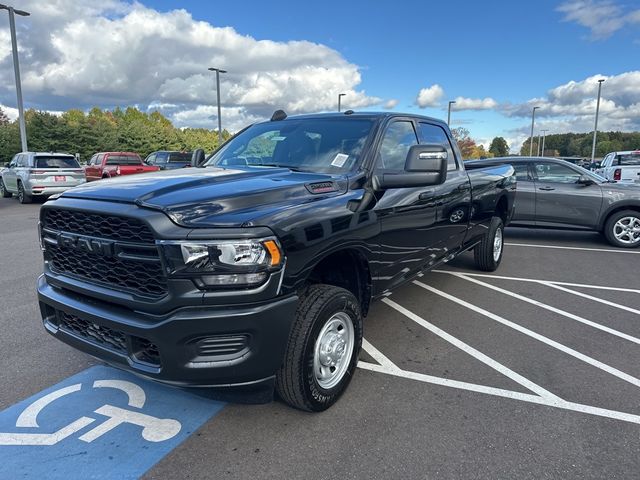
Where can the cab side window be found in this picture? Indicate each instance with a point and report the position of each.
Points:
(430, 133)
(522, 172)
(399, 137)
(23, 161)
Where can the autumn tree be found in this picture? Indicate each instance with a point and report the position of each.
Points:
(465, 142)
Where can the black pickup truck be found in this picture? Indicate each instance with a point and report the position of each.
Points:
(256, 268)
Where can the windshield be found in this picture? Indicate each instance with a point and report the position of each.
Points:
(56, 162)
(324, 145)
(179, 157)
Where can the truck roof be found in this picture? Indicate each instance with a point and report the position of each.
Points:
(353, 114)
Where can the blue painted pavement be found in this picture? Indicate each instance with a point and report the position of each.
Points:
(101, 423)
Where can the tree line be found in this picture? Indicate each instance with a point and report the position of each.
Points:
(580, 144)
(128, 130)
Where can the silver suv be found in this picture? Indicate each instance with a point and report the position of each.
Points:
(31, 174)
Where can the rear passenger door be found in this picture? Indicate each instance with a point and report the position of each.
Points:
(525, 203)
(452, 198)
(9, 176)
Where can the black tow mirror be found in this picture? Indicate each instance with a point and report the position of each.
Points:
(197, 157)
(426, 165)
(586, 181)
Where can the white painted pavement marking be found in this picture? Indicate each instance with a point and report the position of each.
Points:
(40, 439)
(608, 250)
(471, 351)
(533, 280)
(136, 394)
(29, 417)
(378, 356)
(552, 343)
(550, 402)
(549, 307)
(591, 297)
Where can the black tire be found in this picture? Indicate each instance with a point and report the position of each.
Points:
(629, 239)
(23, 197)
(3, 191)
(484, 253)
(296, 381)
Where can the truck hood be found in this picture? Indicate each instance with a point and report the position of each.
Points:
(207, 197)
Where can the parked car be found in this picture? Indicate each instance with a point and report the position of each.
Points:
(556, 194)
(114, 164)
(236, 274)
(169, 160)
(621, 167)
(40, 174)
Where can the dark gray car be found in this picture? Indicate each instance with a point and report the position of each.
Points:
(553, 193)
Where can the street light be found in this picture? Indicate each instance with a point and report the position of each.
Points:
(218, 72)
(595, 128)
(533, 118)
(340, 95)
(544, 134)
(451, 102)
(16, 69)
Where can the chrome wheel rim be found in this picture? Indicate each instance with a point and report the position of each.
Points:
(1, 187)
(333, 350)
(20, 192)
(497, 245)
(627, 230)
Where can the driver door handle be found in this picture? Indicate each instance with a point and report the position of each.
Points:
(546, 189)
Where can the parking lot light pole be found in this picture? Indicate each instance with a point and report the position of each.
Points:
(595, 128)
(340, 95)
(533, 119)
(451, 102)
(218, 72)
(16, 69)
(544, 135)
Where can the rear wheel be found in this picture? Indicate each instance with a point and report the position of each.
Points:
(323, 349)
(3, 190)
(23, 197)
(623, 229)
(488, 253)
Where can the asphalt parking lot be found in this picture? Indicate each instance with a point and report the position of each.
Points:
(531, 372)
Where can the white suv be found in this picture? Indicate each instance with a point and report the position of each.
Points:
(31, 174)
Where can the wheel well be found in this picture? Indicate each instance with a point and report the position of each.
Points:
(635, 208)
(348, 269)
(502, 209)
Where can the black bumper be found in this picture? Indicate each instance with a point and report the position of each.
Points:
(206, 345)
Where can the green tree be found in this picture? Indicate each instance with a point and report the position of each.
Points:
(499, 147)
(4, 119)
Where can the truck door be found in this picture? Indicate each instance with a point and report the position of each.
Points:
(407, 215)
(453, 197)
(561, 201)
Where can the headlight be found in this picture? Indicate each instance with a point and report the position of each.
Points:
(224, 262)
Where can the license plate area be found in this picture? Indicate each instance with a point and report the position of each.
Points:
(59, 178)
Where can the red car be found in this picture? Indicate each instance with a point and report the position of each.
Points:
(114, 164)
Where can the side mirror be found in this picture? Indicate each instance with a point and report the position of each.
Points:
(586, 181)
(197, 157)
(426, 165)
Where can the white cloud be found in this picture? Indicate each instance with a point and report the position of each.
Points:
(430, 96)
(11, 112)
(463, 103)
(391, 104)
(109, 53)
(602, 17)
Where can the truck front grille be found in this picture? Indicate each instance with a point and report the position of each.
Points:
(97, 225)
(127, 259)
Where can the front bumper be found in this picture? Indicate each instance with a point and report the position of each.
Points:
(205, 345)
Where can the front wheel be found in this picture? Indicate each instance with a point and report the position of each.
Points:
(622, 229)
(488, 253)
(4, 193)
(323, 348)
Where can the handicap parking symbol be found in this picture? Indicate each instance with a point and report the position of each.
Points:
(100, 423)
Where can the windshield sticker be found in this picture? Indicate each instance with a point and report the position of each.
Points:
(339, 160)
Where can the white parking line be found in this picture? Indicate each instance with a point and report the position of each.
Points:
(595, 299)
(551, 308)
(541, 338)
(608, 250)
(533, 280)
(471, 351)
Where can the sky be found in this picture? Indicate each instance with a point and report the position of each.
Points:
(496, 59)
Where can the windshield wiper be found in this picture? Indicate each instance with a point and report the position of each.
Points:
(292, 168)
